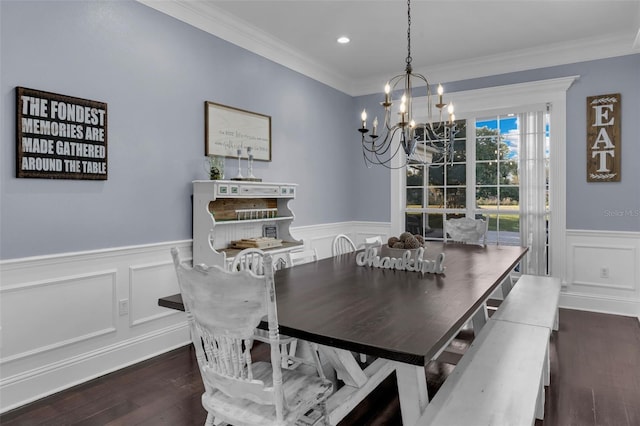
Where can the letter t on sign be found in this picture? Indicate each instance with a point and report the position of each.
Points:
(603, 138)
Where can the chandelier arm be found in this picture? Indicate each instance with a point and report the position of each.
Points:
(376, 159)
(384, 146)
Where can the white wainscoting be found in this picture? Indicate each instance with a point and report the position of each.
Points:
(61, 322)
(603, 272)
(321, 237)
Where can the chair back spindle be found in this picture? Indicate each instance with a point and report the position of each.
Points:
(342, 244)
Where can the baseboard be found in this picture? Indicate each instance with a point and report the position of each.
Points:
(605, 305)
(31, 385)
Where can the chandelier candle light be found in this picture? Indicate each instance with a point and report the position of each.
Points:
(422, 143)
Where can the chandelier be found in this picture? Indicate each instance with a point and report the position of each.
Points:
(418, 143)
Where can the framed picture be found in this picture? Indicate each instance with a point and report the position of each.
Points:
(60, 136)
(231, 130)
(270, 231)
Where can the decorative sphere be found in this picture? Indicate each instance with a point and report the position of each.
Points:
(411, 243)
(398, 245)
(405, 235)
(392, 241)
(420, 239)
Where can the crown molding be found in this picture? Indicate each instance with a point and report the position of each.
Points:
(521, 60)
(205, 16)
(208, 18)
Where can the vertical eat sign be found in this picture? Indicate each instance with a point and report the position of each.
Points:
(603, 138)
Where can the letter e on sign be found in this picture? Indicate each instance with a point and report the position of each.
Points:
(603, 138)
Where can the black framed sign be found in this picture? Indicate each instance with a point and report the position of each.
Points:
(60, 137)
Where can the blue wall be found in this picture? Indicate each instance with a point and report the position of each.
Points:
(590, 206)
(155, 73)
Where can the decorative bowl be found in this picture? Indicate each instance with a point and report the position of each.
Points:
(386, 251)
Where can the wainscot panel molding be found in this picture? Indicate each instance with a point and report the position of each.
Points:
(62, 322)
(603, 272)
(321, 237)
(69, 318)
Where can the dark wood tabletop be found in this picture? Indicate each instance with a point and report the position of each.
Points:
(398, 315)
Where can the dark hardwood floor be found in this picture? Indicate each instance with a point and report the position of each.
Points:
(595, 380)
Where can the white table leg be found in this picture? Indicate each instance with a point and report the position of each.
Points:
(412, 390)
(479, 319)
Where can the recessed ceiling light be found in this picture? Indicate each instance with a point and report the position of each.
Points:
(343, 40)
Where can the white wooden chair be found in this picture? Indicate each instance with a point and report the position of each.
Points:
(342, 244)
(299, 257)
(466, 230)
(223, 309)
(375, 241)
(249, 259)
(252, 259)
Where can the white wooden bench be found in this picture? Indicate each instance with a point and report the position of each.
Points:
(533, 300)
(498, 381)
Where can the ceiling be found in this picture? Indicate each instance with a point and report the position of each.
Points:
(450, 39)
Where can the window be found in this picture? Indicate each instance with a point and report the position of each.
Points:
(497, 177)
(521, 191)
(436, 193)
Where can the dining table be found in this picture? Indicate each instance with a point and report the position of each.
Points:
(401, 319)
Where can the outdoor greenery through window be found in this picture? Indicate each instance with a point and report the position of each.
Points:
(483, 181)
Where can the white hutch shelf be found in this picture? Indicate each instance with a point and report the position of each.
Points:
(227, 210)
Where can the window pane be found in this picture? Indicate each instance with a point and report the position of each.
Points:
(461, 128)
(509, 172)
(415, 175)
(415, 197)
(427, 225)
(486, 144)
(456, 198)
(413, 223)
(436, 197)
(509, 196)
(509, 229)
(456, 174)
(433, 230)
(487, 196)
(486, 173)
(504, 229)
(436, 176)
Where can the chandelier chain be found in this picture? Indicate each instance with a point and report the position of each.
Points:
(409, 59)
(419, 143)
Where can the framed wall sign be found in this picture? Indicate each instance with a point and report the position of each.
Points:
(60, 137)
(228, 130)
(603, 138)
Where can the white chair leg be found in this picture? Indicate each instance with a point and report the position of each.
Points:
(211, 420)
(556, 321)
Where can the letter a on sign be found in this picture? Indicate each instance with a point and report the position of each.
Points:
(603, 138)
